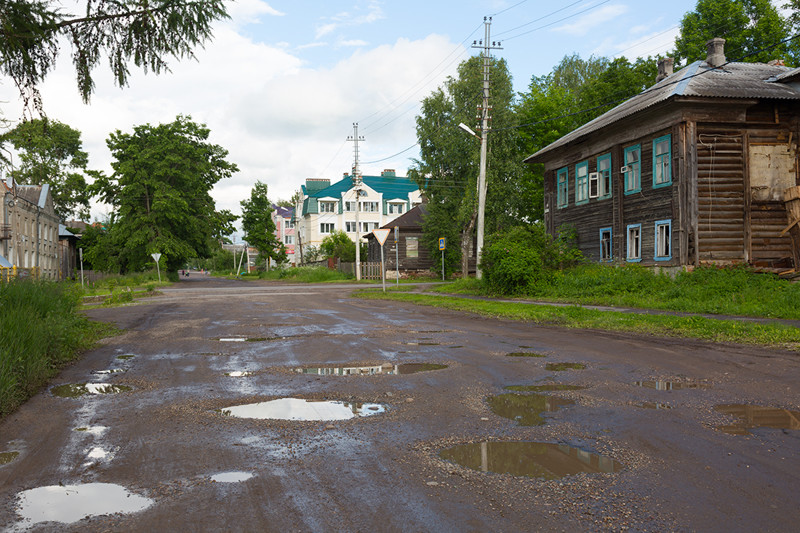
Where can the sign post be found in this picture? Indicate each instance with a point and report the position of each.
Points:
(80, 254)
(397, 252)
(381, 235)
(442, 245)
(156, 257)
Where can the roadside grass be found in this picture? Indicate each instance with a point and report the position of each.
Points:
(139, 282)
(303, 275)
(727, 291)
(40, 332)
(695, 327)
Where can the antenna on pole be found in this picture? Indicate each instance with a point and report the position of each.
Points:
(355, 138)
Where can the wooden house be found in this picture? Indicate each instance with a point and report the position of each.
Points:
(410, 250)
(692, 170)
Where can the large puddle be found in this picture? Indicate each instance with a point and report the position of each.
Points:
(673, 385)
(70, 503)
(75, 390)
(386, 368)
(754, 416)
(529, 459)
(306, 410)
(526, 409)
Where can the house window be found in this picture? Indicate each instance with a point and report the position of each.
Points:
(563, 188)
(605, 244)
(369, 207)
(350, 206)
(663, 240)
(288, 239)
(327, 227)
(396, 209)
(350, 226)
(635, 242)
(581, 183)
(288, 223)
(633, 172)
(662, 158)
(604, 176)
(327, 207)
(366, 227)
(412, 246)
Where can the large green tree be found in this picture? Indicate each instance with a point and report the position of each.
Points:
(257, 223)
(52, 152)
(448, 168)
(752, 29)
(160, 193)
(144, 32)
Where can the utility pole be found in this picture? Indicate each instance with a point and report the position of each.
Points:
(357, 187)
(487, 45)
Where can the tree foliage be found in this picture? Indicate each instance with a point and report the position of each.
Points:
(257, 223)
(160, 193)
(338, 244)
(144, 32)
(52, 152)
(751, 29)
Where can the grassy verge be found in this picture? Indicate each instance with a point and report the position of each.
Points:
(730, 291)
(40, 332)
(694, 327)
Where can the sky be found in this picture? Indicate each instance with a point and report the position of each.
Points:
(282, 82)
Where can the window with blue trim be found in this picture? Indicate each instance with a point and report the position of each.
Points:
(663, 250)
(563, 188)
(581, 183)
(634, 249)
(633, 164)
(662, 161)
(605, 244)
(604, 176)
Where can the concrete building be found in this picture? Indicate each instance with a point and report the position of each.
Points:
(29, 229)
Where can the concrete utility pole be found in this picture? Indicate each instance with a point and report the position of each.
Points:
(357, 187)
(487, 45)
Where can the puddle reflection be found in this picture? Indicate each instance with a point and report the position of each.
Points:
(70, 503)
(231, 477)
(754, 416)
(109, 371)
(652, 405)
(239, 373)
(526, 409)
(305, 410)
(75, 390)
(673, 385)
(386, 368)
(529, 459)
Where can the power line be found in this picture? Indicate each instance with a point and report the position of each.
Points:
(509, 8)
(557, 21)
(537, 20)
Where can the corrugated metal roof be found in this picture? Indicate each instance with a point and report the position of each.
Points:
(732, 80)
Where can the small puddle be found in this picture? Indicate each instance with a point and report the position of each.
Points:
(231, 477)
(7, 457)
(305, 410)
(76, 390)
(673, 385)
(109, 371)
(232, 339)
(416, 343)
(239, 374)
(754, 416)
(525, 354)
(652, 405)
(526, 409)
(530, 459)
(558, 367)
(70, 503)
(543, 388)
(95, 431)
(386, 368)
(126, 356)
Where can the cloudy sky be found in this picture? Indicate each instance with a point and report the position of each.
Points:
(283, 81)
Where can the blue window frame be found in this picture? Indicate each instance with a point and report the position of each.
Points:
(633, 175)
(605, 244)
(604, 176)
(563, 187)
(662, 161)
(634, 248)
(582, 183)
(663, 240)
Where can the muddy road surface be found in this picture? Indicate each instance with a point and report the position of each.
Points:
(399, 419)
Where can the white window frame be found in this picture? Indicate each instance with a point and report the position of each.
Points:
(369, 207)
(288, 239)
(350, 226)
(326, 206)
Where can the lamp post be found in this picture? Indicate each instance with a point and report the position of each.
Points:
(481, 191)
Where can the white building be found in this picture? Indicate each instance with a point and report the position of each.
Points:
(29, 229)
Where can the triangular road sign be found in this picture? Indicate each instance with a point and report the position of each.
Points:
(381, 234)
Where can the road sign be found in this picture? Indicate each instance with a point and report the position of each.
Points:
(442, 242)
(396, 234)
(155, 257)
(381, 235)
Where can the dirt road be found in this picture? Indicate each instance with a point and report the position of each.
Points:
(164, 449)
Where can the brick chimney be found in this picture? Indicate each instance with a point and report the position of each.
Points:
(665, 68)
(716, 52)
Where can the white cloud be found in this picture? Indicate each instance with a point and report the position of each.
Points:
(352, 43)
(592, 19)
(249, 11)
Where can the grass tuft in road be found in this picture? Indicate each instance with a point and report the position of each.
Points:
(694, 327)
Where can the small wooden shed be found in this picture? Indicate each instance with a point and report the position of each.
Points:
(692, 170)
(413, 254)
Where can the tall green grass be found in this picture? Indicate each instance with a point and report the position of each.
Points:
(305, 275)
(40, 331)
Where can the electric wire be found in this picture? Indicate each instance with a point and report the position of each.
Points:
(538, 19)
(557, 21)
